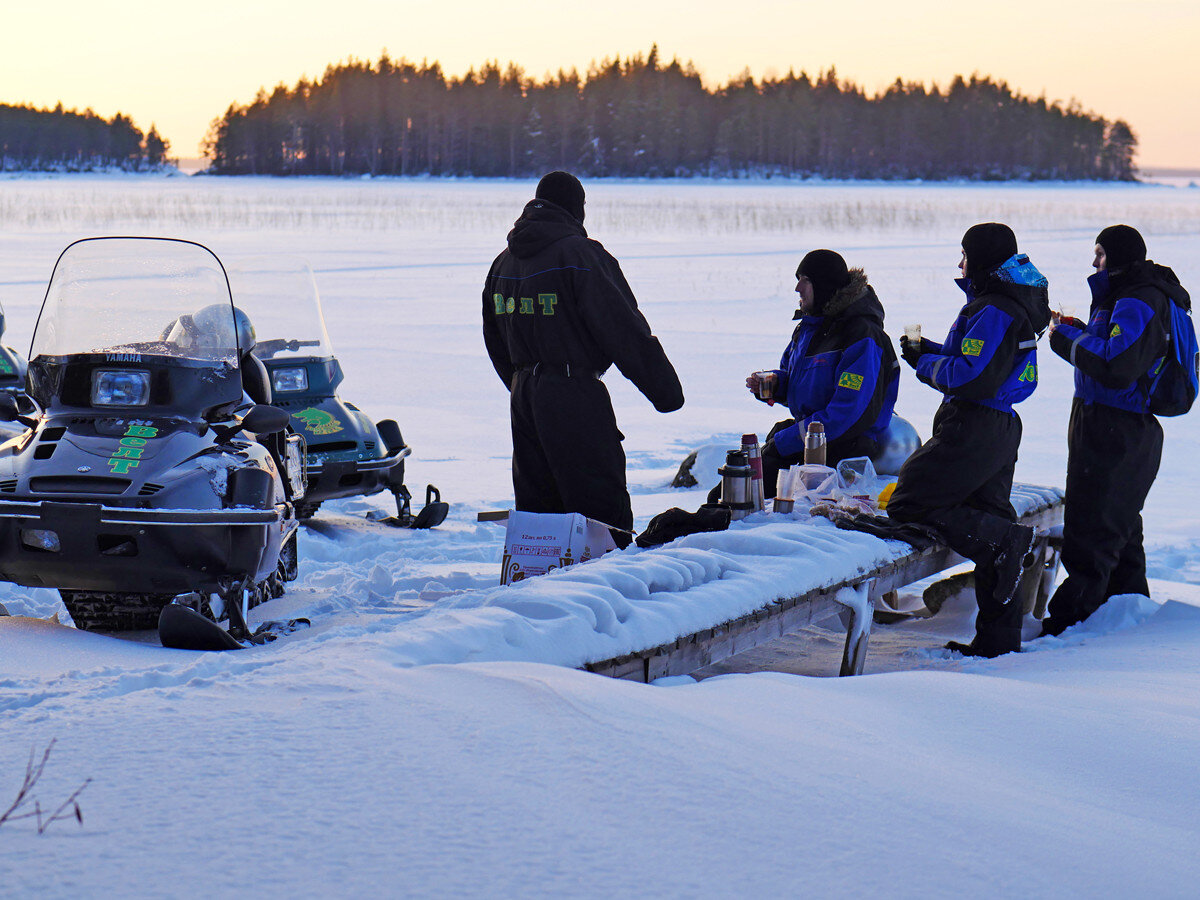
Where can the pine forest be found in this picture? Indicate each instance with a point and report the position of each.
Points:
(640, 118)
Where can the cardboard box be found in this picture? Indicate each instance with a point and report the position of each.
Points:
(535, 543)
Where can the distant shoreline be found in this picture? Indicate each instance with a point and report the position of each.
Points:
(1150, 175)
(195, 165)
(1168, 172)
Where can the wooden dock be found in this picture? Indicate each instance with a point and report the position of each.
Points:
(852, 600)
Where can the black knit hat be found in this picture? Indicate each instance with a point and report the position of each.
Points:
(1122, 245)
(988, 245)
(827, 272)
(564, 189)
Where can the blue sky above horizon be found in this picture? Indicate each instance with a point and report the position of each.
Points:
(180, 67)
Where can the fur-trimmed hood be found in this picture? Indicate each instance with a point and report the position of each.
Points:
(857, 298)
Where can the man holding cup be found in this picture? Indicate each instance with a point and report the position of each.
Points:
(839, 369)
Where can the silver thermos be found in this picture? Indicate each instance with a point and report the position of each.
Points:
(814, 444)
(736, 476)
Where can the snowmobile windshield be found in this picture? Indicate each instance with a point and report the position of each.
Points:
(132, 296)
(280, 296)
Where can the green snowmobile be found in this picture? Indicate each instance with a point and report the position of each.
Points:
(348, 455)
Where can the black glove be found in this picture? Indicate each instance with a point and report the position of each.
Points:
(770, 454)
(910, 351)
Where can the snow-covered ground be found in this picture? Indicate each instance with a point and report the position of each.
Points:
(414, 741)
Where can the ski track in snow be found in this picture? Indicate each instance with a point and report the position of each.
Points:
(413, 742)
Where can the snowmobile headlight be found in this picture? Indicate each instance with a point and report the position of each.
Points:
(120, 387)
(285, 380)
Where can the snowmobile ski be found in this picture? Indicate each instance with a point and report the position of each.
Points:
(433, 514)
(183, 628)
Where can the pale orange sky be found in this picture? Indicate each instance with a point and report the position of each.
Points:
(180, 67)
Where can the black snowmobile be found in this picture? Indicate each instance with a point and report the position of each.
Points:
(148, 486)
(348, 454)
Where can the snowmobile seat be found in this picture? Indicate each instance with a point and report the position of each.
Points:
(256, 381)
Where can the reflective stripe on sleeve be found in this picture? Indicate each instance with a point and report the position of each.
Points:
(1075, 345)
(937, 366)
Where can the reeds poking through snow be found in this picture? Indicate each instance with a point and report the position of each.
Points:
(615, 208)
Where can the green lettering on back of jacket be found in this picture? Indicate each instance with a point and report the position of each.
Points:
(1029, 374)
(509, 305)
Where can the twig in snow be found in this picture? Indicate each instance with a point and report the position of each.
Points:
(33, 771)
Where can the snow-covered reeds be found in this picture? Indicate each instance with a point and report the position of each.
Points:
(650, 209)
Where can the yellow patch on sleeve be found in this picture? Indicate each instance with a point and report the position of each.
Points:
(850, 380)
(972, 347)
(1116, 332)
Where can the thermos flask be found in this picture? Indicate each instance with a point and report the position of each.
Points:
(814, 444)
(754, 457)
(735, 484)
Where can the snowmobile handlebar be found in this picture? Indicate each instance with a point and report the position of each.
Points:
(11, 411)
(267, 349)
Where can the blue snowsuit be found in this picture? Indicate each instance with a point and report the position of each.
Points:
(1114, 444)
(838, 369)
(960, 480)
(987, 357)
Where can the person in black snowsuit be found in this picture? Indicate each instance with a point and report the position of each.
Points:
(839, 369)
(960, 480)
(557, 312)
(1114, 443)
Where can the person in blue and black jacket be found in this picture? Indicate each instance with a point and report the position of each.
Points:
(960, 480)
(839, 369)
(1114, 442)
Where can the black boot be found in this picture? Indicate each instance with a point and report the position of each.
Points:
(1013, 557)
(986, 648)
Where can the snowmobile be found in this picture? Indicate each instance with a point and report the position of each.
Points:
(152, 482)
(348, 455)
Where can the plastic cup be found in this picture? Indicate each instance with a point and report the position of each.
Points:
(785, 484)
(913, 333)
(766, 384)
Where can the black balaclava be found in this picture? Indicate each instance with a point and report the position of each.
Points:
(564, 189)
(1123, 246)
(987, 245)
(827, 272)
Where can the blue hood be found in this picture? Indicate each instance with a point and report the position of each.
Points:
(1017, 269)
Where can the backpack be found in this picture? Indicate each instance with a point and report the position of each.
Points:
(1174, 382)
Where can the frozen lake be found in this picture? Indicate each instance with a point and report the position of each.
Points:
(400, 266)
(344, 759)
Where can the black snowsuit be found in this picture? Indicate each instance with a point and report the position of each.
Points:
(1113, 448)
(960, 480)
(557, 312)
